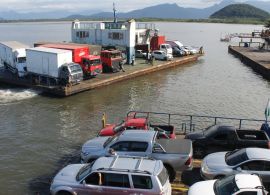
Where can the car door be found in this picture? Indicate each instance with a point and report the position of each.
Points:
(218, 142)
(143, 184)
(138, 148)
(115, 184)
(90, 185)
(121, 147)
(266, 172)
(253, 166)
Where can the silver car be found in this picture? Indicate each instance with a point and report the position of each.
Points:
(113, 176)
(246, 160)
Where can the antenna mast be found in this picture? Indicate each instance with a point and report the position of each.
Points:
(114, 13)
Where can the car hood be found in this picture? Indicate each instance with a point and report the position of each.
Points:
(94, 144)
(202, 187)
(107, 131)
(216, 161)
(195, 135)
(67, 174)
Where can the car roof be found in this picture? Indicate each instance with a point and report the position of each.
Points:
(247, 181)
(258, 153)
(129, 164)
(137, 135)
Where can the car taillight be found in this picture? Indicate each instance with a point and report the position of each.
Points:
(189, 161)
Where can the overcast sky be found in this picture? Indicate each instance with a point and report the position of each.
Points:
(98, 5)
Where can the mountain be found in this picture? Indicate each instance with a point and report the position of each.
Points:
(158, 11)
(240, 11)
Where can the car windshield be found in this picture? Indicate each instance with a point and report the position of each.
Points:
(110, 140)
(84, 171)
(163, 176)
(235, 157)
(209, 130)
(226, 186)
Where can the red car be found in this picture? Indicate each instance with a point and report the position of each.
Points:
(132, 122)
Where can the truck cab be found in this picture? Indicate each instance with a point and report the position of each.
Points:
(70, 74)
(111, 60)
(167, 48)
(20, 62)
(91, 65)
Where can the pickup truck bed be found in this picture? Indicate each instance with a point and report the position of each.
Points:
(223, 138)
(176, 146)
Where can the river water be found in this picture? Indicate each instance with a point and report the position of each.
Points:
(41, 134)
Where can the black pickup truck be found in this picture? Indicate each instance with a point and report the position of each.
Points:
(225, 138)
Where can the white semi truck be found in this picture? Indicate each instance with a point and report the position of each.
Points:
(48, 66)
(13, 57)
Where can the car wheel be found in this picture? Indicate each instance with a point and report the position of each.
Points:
(165, 58)
(63, 193)
(199, 152)
(171, 172)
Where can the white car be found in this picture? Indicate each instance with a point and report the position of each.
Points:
(241, 184)
(191, 50)
(161, 55)
(140, 54)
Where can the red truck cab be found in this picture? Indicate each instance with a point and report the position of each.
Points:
(111, 60)
(91, 65)
(166, 131)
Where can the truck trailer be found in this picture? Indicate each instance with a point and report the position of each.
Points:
(91, 64)
(13, 57)
(48, 66)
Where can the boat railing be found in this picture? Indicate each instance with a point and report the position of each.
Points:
(184, 123)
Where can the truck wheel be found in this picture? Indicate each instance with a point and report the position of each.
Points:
(199, 152)
(171, 172)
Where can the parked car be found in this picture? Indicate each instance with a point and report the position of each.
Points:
(242, 184)
(113, 175)
(140, 54)
(191, 50)
(218, 138)
(178, 52)
(136, 121)
(246, 160)
(161, 55)
(175, 154)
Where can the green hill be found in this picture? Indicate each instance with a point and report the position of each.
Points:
(240, 11)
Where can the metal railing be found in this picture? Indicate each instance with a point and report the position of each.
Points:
(184, 123)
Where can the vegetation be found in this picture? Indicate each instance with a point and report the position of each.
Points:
(241, 11)
(210, 20)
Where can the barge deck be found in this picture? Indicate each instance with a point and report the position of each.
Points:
(140, 68)
(258, 60)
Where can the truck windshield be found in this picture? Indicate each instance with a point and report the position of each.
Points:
(22, 60)
(75, 68)
(110, 140)
(235, 157)
(95, 62)
(115, 55)
(209, 130)
(84, 171)
(226, 186)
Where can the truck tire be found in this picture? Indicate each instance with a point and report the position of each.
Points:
(199, 152)
(171, 172)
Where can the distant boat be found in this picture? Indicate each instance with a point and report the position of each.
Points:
(226, 38)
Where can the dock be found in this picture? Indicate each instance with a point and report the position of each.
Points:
(140, 68)
(258, 60)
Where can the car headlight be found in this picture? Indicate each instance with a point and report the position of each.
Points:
(204, 168)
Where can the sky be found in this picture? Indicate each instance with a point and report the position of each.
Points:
(98, 5)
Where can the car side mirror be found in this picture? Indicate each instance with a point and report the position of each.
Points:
(83, 182)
